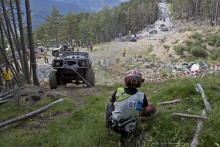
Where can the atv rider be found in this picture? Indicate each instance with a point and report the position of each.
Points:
(125, 105)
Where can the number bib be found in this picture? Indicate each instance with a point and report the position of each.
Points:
(134, 105)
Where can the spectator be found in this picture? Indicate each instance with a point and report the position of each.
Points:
(41, 50)
(45, 57)
(124, 52)
(7, 76)
(91, 47)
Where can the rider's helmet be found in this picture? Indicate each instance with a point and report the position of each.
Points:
(133, 77)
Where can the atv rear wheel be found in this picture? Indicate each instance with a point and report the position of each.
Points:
(53, 80)
(90, 77)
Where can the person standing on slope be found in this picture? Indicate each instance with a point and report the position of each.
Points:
(7, 76)
(124, 52)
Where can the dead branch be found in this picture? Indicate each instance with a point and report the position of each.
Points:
(195, 141)
(200, 89)
(30, 114)
(189, 116)
(169, 102)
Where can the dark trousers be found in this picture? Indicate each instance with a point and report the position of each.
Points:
(8, 84)
(45, 59)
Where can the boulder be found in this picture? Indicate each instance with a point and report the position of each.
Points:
(148, 66)
(195, 67)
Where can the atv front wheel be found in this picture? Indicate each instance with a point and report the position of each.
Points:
(53, 80)
(90, 77)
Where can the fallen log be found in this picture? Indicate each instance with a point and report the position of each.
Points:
(200, 89)
(2, 102)
(195, 141)
(10, 92)
(7, 97)
(29, 114)
(169, 102)
(189, 116)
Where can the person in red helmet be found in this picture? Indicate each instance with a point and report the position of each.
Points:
(126, 104)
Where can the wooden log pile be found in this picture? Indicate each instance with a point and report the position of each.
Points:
(9, 94)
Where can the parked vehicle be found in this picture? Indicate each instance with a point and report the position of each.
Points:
(164, 28)
(154, 31)
(162, 25)
(133, 38)
(60, 49)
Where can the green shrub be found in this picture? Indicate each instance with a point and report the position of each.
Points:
(162, 40)
(213, 40)
(166, 47)
(179, 49)
(215, 54)
(199, 51)
(164, 73)
(189, 45)
(186, 29)
(117, 60)
(150, 49)
(175, 42)
(196, 36)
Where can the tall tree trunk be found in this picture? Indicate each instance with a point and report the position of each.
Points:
(21, 28)
(212, 11)
(3, 44)
(9, 36)
(1, 80)
(216, 12)
(196, 10)
(31, 43)
(16, 36)
(2, 35)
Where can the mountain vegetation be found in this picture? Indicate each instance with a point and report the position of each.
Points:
(196, 10)
(99, 27)
(42, 8)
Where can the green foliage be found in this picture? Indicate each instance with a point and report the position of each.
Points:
(162, 40)
(186, 29)
(213, 40)
(164, 73)
(176, 41)
(196, 36)
(166, 47)
(98, 27)
(199, 51)
(179, 49)
(150, 49)
(189, 43)
(215, 54)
